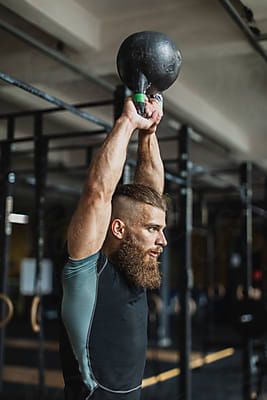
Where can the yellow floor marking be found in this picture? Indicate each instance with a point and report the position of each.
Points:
(167, 355)
(195, 363)
(53, 378)
(26, 375)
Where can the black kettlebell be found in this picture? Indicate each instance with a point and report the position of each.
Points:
(148, 62)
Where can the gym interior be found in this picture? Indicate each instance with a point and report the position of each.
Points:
(60, 93)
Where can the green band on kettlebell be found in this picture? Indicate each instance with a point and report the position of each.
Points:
(139, 97)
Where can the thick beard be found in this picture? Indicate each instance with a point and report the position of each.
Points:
(130, 260)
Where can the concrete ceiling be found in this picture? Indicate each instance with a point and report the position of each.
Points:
(221, 91)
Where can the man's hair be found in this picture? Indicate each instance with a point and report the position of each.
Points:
(142, 194)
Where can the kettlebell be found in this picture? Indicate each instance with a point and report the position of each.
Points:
(148, 62)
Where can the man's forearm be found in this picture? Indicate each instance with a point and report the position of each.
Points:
(149, 169)
(107, 165)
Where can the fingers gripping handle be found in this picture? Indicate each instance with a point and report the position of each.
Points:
(139, 101)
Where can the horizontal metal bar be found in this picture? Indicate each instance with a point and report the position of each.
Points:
(168, 138)
(79, 134)
(54, 100)
(172, 161)
(227, 171)
(69, 135)
(168, 175)
(51, 169)
(30, 113)
(56, 136)
(76, 147)
(56, 55)
(30, 181)
(58, 148)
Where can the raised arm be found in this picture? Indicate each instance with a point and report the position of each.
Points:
(149, 170)
(89, 224)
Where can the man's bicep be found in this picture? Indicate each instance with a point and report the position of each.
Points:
(88, 228)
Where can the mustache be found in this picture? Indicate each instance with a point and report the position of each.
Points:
(158, 249)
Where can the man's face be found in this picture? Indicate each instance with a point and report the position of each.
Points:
(141, 246)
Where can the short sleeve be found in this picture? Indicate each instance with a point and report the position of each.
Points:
(82, 266)
(79, 281)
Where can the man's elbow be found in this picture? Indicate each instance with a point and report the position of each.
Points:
(97, 193)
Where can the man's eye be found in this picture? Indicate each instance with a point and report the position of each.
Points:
(152, 229)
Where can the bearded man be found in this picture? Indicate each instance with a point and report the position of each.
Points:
(114, 240)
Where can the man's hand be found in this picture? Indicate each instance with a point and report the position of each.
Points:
(154, 105)
(153, 114)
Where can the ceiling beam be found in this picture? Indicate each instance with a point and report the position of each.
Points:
(59, 21)
(244, 27)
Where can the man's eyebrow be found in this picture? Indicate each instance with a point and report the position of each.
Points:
(156, 225)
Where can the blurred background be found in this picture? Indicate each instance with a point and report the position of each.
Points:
(207, 323)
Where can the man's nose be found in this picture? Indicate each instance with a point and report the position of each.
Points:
(161, 239)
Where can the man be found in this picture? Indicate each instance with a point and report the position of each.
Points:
(114, 240)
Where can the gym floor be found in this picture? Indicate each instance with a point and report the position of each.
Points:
(207, 384)
(216, 375)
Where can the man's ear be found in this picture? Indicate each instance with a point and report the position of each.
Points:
(118, 228)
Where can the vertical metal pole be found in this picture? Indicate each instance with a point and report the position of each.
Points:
(120, 94)
(164, 338)
(89, 155)
(265, 235)
(264, 280)
(211, 234)
(6, 179)
(40, 166)
(210, 275)
(246, 235)
(126, 176)
(185, 279)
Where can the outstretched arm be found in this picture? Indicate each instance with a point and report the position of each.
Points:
(149, 170)
(90, 221)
